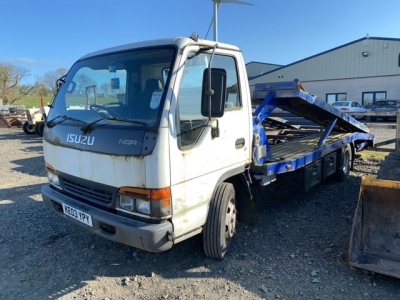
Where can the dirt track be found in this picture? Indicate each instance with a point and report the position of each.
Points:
(297, 249)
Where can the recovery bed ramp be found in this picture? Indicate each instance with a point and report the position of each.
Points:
(274, 154)
(293, 97)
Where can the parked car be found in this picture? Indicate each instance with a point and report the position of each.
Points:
(385, 109)
(351, 107)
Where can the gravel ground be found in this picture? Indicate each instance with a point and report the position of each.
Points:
(296, 250)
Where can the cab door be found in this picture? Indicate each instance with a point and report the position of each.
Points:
(200, 160)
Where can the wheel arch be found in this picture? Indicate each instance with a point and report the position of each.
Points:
(244, 199)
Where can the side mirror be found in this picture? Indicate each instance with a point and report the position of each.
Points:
(213, 98)
(71, 87)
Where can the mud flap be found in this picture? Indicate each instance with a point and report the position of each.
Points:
(375, 236)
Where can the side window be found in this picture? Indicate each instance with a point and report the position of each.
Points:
(232, 94)
(191, 122)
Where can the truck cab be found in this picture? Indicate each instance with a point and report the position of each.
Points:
(148, 144)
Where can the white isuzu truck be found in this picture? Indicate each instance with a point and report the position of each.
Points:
(151, 143)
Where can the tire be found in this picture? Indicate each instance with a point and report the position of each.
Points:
(39, 128)
(220, 227)
(28, 128)
(344, 160)
(373, 119)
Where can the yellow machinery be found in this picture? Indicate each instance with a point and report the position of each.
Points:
(35, 120)
(375, 237)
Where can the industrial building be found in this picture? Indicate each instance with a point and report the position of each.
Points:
(365, 70)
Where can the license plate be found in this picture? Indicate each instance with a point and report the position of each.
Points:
(77, 215)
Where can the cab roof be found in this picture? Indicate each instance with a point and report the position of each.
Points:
(180, 42)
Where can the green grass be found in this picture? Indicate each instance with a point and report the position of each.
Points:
(30, 102)
(374, 155)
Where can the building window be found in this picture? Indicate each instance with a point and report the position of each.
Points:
(369, 98)
(331, 98)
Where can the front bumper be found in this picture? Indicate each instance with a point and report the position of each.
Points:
(141, 235)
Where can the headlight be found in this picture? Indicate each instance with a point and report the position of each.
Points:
(143, 206)
(53, 178)
(150, 203)
(126, 202)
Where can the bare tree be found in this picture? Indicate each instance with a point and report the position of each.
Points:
(41, 90)
(50, 79)
(10, 79)
(105, 88)
(84, 81)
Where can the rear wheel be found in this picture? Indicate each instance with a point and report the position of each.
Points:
(28, 128)
(344, 159)
(221, 222)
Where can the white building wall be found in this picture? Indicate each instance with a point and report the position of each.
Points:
(355, 87)
(346, 70)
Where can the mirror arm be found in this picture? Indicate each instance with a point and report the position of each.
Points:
(60, 81)
(215, 131)
(210, 91)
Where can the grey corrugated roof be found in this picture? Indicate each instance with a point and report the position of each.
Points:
(325, 52)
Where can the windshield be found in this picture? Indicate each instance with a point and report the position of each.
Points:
(116, 89)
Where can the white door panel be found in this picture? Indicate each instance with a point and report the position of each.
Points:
(197, 160)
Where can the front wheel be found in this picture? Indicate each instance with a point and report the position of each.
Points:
(221, 222)
(28, 128)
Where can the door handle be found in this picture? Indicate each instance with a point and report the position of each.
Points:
(239, 143)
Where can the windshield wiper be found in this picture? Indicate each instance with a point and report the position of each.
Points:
(88, 127)
(64, 117)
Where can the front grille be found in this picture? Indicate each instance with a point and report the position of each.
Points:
(87, 193)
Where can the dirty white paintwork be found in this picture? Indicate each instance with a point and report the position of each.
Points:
(195, 172)
(106, 169)
(150, 171)
(192, 174)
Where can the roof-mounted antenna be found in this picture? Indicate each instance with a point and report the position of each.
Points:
(215, 18)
